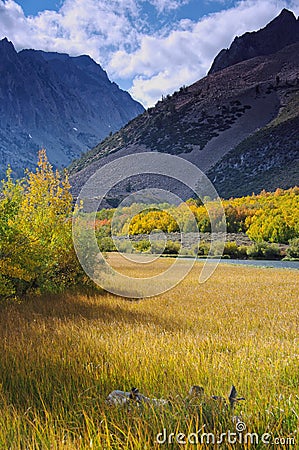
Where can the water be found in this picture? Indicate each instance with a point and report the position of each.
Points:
(260, 263)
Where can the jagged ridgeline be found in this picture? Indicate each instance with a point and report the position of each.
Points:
(238, 124)
(65, 104)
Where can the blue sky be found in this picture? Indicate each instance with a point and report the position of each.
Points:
(193, 9)
(33, 7)
(149, 47)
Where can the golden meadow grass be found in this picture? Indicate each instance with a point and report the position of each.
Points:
(61, 356)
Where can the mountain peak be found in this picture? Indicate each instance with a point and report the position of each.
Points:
(282, 31)
(286, 13)
(5, 41)
(6, 45)
(64, 103)
(284, 18)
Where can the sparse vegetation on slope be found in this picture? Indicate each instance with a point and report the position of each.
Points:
(207, 123)
(267, 159)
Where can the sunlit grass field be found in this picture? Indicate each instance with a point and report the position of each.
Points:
(62, 355)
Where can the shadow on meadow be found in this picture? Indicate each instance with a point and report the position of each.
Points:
(52, 365)
(41, 363)
(89, 307)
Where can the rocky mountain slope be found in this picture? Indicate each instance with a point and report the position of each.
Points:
(66, 104)
(280, 32)
(265, 160)
(242, 108)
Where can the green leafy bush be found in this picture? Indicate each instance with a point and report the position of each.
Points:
(106, 244)
(242, 251)
(168, 248)
(263, 250)
(142, 246)
(172, 248)
(231, 250)
(157, 247)
(293, 249)
(203, 248)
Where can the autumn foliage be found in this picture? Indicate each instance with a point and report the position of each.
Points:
(271, 217)
(36, 249)
(36, 246)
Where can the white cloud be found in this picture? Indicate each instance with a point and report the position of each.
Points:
(162, 64)
(225, 3)
(151, 89)
(13, 23)
(93, 27)
(167, 5)
(117, 34)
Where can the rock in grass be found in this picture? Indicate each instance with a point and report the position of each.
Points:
(122, 398)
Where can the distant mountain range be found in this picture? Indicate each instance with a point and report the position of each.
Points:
(66, 104)
(239, 124)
